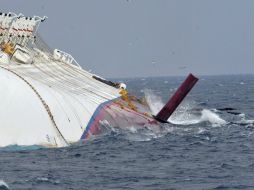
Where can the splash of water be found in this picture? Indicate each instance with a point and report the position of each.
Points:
(244, 121)
(212, 117)
(184, 114)
(155, 102)
(133, 133)
(3, 185)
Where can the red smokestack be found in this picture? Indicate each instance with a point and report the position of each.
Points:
(176, 99)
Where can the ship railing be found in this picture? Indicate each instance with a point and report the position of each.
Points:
(18, 28)
(65, 57)
(6, 20)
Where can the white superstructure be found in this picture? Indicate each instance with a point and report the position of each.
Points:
(46, 97)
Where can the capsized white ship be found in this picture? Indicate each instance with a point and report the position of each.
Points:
(48, 99)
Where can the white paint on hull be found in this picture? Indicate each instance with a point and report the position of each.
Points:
(71, 95)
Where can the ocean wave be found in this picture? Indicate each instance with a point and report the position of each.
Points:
(186, 114)
(3, 185)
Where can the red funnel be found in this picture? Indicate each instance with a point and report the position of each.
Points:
(176, 99)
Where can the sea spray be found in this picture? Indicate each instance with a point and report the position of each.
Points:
(185, 114)
(155, 102)
(3, 185)
(212, 117)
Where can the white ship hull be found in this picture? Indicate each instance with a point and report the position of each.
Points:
(48, 99)
(49, 104)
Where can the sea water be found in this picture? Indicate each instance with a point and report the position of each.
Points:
(207, 144)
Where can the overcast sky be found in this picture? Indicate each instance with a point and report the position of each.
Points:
(129, 38)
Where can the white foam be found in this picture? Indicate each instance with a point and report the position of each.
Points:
(155, 102)
(183, 115)
(133, 129)
(248, 121)
(3, 184)
(42, 179)
(245, 121)
(187, 118)
(212, 117)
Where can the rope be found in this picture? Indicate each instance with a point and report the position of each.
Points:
(45, 105)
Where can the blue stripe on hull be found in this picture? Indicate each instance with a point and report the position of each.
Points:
(95, 114)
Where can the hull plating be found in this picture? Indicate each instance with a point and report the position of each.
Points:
(49, 104)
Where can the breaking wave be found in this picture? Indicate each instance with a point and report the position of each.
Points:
(133, 133)
(244, 121)
(186, 118)
(186, 114)
(3, 185)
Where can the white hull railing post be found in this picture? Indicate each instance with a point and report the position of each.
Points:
(1, 27)
(38, 21)
(19, 29)
(5, 23)
(13, 19)
(31, 28)
(16, 29)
